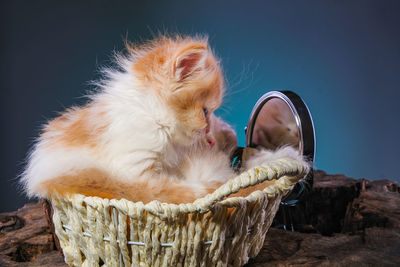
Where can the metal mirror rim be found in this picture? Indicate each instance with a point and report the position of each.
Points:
(303, 120)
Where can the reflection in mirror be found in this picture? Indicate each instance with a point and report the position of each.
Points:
(275, 126)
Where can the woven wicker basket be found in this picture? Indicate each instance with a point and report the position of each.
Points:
(216, 230)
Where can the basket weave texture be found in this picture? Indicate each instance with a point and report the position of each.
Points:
(216, 230)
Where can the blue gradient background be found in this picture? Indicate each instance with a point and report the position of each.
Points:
(341, 57)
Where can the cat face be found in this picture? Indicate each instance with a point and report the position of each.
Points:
(187, 78)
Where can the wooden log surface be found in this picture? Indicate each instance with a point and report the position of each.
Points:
(342, 222)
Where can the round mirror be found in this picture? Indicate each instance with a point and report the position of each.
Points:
(281, 119)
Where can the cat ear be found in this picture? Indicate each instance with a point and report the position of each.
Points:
(189, 61)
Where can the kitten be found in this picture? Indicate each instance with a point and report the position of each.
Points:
(148, 134)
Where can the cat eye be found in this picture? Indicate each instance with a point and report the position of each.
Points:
(205, 111)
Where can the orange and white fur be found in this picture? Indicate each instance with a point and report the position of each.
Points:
(149, 133)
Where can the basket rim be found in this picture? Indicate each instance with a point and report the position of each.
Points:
(285, 171)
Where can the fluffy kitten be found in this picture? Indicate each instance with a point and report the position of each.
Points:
(148, 134)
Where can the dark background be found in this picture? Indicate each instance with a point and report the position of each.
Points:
(342, 57)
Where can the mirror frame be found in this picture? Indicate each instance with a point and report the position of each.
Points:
(306, 134)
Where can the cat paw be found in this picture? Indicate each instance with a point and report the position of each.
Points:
(228, 140)
(225, 137)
